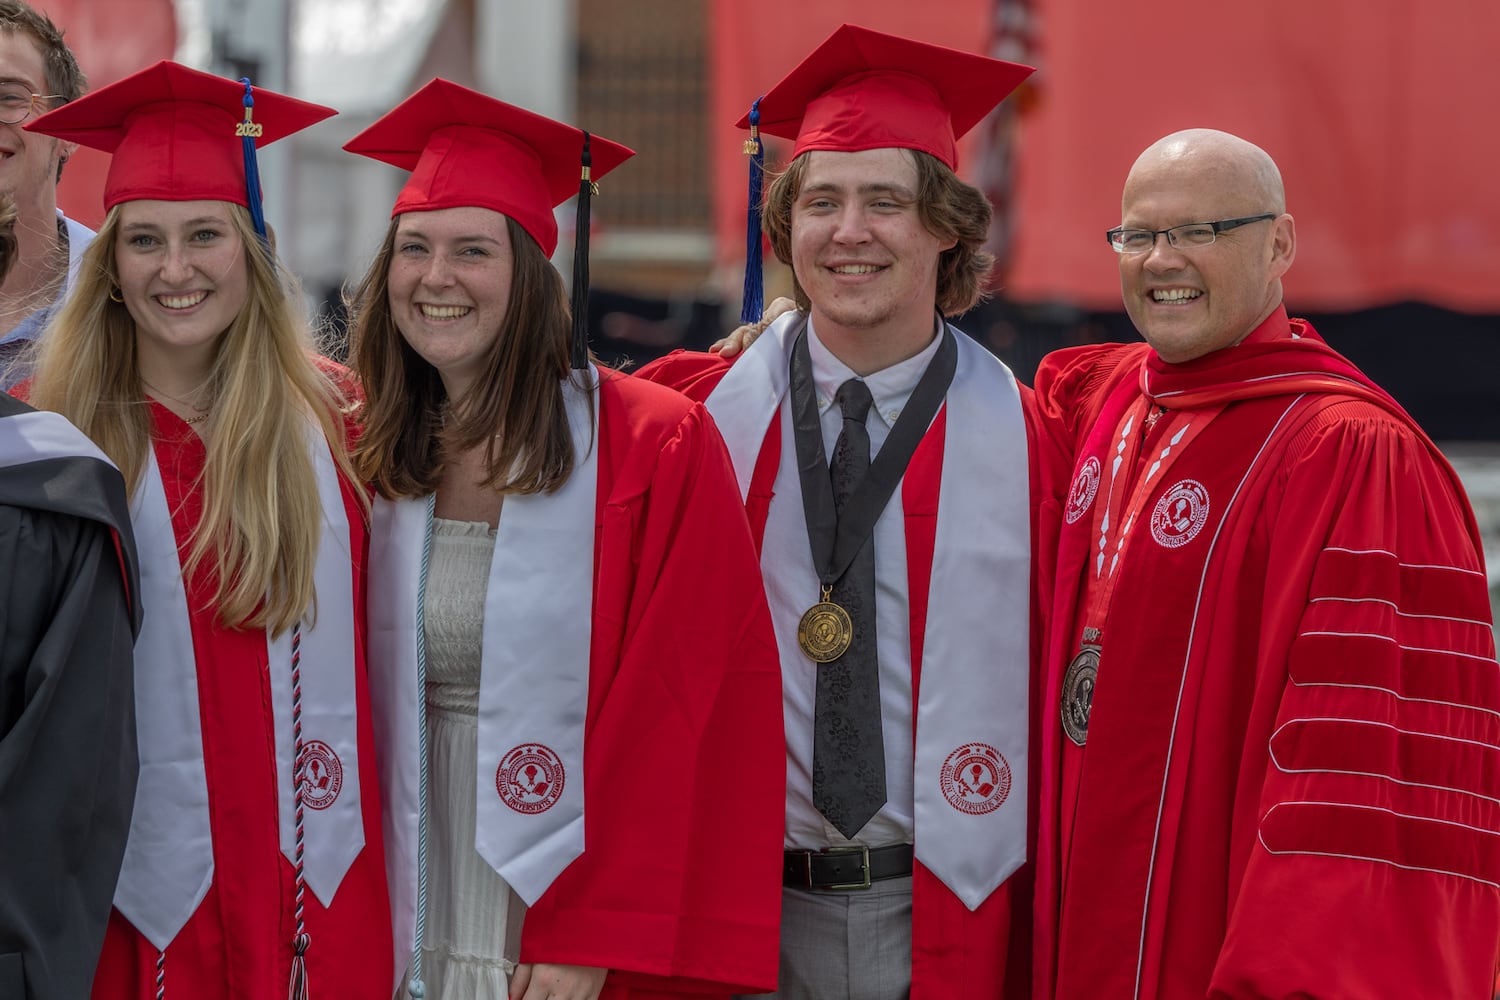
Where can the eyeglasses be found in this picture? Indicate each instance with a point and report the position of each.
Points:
(1186, 237)
(18, 103)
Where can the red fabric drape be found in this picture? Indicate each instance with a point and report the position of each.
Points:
(111, 40)
(1378, 111)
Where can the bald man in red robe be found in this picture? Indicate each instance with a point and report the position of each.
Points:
(1271, 591)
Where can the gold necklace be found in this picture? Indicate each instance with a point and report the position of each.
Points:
(200, 410)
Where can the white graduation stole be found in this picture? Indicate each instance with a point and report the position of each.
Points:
(39, 436)
(333, 823)
(533, 691)
(534, 671)
(169, 862)
(970, 773)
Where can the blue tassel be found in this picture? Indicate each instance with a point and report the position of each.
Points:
(753, 302)
(249, 131)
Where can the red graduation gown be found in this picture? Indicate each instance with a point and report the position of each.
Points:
(682, 766)
(1289, 785)
(238, 943)
(956, 952)
(675, 891)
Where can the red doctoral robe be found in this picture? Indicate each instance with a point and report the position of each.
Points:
(1289, 785)
(675, 891)
(980, 954)
(238, 943)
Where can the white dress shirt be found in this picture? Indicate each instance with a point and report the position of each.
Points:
(806, 828)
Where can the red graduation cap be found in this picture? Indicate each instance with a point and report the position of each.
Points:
(467, 149)
(864, 89)
(176, 133)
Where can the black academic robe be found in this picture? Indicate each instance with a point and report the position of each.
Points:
(67, 707)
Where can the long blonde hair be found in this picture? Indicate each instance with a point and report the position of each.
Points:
(261, 511)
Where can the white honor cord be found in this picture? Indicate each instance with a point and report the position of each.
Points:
(298, 988)
(416, 988)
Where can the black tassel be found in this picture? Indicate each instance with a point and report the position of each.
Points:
(586, 190)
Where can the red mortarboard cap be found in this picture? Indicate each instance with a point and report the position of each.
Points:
(864, 89)
(467, 149)
(174, 132)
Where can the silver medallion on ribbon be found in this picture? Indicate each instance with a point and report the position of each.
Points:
(1078, 688)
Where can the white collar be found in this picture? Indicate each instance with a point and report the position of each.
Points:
(890, 387)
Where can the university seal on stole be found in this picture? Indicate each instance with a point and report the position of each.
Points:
(975, 779)
(1180, 514)
(322, 774)
(1081, 494)
(530, 778)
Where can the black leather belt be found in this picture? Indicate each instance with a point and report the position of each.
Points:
(845, 867)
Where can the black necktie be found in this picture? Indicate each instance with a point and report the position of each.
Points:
(848, 751)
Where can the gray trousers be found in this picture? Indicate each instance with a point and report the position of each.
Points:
(846, 945)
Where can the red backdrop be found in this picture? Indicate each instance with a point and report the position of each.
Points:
(1380, 113)
(111, 40)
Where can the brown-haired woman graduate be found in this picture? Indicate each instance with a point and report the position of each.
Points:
(565, 595)
(255, 857)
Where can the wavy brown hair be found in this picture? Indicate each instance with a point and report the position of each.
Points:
(949, 209)
(262, 514)
(516, 409)
(64, 78)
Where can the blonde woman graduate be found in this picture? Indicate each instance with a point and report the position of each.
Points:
(572, 653)
(254, 866)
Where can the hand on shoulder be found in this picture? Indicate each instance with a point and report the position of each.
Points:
(741, 337)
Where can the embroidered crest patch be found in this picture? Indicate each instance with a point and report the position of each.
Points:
(1180, 514)
(530, 778)
(1085, 487)
(322, 774)
(975, 779)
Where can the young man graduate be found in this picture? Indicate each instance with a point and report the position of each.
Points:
(898, 573)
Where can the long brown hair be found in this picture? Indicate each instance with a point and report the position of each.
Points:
(949, 208)
(262, 514)
(515, 410)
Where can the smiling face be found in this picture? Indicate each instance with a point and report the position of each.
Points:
(861, 253)
(449, 288)
(28, 161)
(184, 278)
(1191, 302)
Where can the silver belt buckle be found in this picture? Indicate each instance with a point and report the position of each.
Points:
(864, 866)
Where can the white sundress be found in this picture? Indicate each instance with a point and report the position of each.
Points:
(473, 918)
